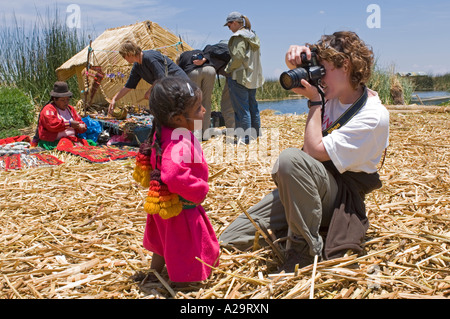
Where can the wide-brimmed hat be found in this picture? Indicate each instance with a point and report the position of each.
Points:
(234, 16)
(60, 89)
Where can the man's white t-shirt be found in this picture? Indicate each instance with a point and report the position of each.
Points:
(359, 144)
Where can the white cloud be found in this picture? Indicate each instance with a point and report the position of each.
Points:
(100, 14)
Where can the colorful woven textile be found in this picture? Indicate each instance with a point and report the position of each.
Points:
(23, 161)
(16, 154)
(137, 125)
(99, 154)
(20, 138)
(15, 148)
(65, 142)
(94, 154)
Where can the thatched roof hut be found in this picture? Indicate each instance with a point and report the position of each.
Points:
(104, 53)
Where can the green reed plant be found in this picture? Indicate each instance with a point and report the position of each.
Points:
(408, 88)
(381, 81)
(217, 94)
(441, 82)
(30, 54)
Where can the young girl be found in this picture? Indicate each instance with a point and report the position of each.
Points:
(178, 229)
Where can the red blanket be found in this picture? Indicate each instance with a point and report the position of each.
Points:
(20, 138)
(95, 154)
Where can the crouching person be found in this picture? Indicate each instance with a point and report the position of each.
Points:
(322, 186)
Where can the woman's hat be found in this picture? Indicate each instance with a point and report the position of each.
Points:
(60, 89)
(233, 16)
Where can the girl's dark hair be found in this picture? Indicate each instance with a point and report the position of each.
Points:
(170, 96)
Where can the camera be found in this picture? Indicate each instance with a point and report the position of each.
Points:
(310, 70)
(197, 56)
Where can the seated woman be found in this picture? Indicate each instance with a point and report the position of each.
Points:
(59, 120)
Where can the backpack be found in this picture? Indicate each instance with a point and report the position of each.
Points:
(219, 54)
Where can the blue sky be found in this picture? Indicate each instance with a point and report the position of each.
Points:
(409, 36)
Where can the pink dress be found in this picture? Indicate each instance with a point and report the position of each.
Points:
(190, 234)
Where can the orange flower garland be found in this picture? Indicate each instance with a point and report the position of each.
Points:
(142, 170)
(159, 199)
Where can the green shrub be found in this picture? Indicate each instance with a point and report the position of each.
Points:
(9, 133)
(16, 110)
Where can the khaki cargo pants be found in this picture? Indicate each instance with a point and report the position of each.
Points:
(302, 203)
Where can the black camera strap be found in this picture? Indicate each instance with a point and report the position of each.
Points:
(347, 115)
(322, 95)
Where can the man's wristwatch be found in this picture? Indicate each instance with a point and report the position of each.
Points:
(313, 103)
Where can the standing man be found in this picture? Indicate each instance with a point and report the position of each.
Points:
(219, 56)
(200, 70)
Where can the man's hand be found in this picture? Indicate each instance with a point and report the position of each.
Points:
(293, 60)
(199, 62)
(293, 55)
(111, 106)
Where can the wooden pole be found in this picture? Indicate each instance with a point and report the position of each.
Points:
(86, 89)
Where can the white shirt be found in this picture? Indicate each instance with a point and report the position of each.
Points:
(359, 144)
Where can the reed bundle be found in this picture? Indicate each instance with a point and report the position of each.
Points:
(75, 230)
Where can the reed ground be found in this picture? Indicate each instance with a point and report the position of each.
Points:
(75, 231)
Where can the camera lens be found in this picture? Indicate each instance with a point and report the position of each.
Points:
(292, 78)
(197, 56)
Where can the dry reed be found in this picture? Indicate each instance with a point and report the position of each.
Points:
(75, 230)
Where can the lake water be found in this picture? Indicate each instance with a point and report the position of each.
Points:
(299, 106)
(430, 94)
